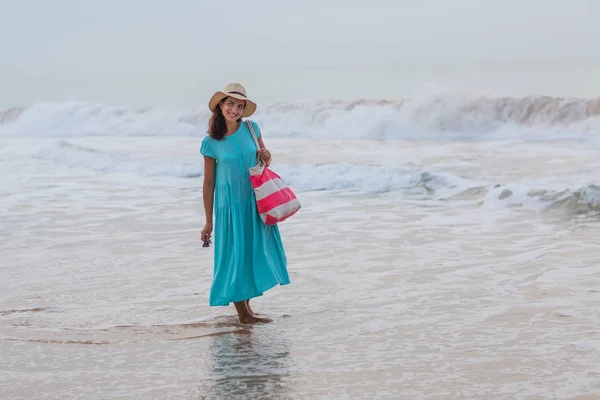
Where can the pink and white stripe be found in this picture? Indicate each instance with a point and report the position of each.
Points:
(275, 201)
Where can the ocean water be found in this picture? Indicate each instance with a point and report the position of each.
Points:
(448, 247)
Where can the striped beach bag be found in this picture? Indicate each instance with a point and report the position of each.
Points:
(274, 199)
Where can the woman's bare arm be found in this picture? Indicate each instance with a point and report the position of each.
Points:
(263, 153)
(208, 188)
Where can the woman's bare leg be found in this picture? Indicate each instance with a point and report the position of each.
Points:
(248, 306)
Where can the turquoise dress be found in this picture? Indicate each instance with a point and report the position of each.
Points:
(249, 257)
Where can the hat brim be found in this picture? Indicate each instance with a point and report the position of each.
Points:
(218, 96)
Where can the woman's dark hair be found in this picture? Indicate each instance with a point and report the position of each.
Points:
(217, 126)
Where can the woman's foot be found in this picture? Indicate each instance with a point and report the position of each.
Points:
(251, 319)
(245, 314)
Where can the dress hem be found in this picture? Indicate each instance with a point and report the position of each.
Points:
(256, 294)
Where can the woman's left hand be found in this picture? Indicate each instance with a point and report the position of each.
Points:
(264, 155)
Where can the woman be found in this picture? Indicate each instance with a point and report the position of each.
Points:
(249, 258)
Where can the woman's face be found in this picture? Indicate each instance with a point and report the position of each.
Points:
(232, 108)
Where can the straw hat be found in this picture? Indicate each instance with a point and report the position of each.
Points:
(236, 91)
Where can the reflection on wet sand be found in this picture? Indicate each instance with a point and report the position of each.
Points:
(250, 363)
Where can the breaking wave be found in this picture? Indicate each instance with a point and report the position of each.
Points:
(432, 116)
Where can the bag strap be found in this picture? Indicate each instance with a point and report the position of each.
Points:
(251, 127)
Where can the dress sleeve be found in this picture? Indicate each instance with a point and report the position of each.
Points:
(206, 148)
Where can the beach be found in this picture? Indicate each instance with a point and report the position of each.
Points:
(445, 154)
(448, 265)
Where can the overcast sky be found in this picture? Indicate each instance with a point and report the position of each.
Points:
(175, 51)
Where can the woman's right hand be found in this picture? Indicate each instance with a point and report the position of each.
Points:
(206, 232)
